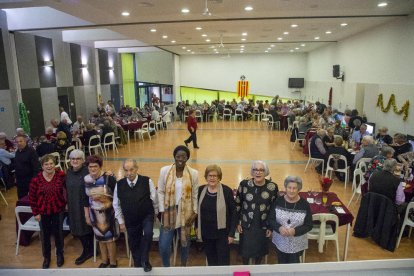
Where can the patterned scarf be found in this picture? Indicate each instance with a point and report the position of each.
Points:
(170, 210)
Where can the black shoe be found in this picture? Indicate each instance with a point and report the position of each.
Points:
(60, 260)
(103, 265)
(113, 265)
(186, 144)
(83, 258)
(147, 266)
(197, 147)
(46, 263)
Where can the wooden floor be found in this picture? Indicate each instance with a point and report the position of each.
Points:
(233, 146)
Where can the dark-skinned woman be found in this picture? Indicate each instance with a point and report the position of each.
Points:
(177, 195)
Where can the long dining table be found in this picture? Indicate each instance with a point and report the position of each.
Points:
(345, 217)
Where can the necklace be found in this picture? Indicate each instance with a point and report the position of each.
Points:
(294, 206)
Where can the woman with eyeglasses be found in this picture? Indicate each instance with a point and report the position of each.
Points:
(217, 217)
(254, 198)
(77, 199)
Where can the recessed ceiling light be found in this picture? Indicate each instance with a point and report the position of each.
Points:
(203, 35)
(279, 38)
(248, 8)
(212, 47)
(303, 45)
(198, 28)
(242, 46)
(183, 47)
(328, 32)
(273, 45)
(285, 33)
(188, 50)
(185, 10)
(296, 48)
(266, 51)
(208, 40)
(243, 39)
(382, 4)
(153, 30)
(125, 13)
(344, 24)
(216, 52)
(317, 37)
(165, 36)
(244, 34)
(294, 25)
(192, 53)
(173, 41)
(290, 50)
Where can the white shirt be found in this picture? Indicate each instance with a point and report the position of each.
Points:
(117, 204)
(178, 189)
(65, 116)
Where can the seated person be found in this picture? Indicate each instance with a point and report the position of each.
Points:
(401, 145)
(50, 135)
(386, 183)
(45, 146)
(304, 126)
(78, 126)
(368, 149)
(377, 163)
(155, 115)
(356, 121)
(65, 127)
(88, 133)
(317, 147)
(338, 130)
(62, 143)
(6, 163)
(8, 144)
(339, 149)
(107, 128)
(359, 134)
(328, 140)
(382, 136)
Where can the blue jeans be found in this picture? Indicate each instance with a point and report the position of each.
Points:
(166, 238)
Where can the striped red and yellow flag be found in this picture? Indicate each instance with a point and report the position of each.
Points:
(242, 89)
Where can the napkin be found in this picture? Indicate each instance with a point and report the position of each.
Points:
(310, 200)
(340, 210)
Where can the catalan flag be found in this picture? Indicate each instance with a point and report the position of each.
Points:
(242, 88)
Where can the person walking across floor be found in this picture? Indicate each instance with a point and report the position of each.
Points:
(136, 204)
(192, 128)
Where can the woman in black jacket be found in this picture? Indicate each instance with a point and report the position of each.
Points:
(216, 217)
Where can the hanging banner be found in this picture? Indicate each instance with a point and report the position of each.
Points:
(242, 88)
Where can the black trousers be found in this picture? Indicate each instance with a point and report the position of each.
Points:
(139, 240)
(193, 137)
(217, 251)
(22, 187)
(51, 225)
(288, 258)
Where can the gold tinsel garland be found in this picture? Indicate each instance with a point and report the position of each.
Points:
(391, 102)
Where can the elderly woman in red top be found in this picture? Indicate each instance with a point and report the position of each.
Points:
(192, 128)
(47, 199)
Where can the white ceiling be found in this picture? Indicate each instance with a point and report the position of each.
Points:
(100, 23)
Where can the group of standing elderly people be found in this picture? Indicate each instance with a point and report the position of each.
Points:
(100, 206)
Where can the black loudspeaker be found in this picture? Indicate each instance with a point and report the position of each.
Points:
(336, 71)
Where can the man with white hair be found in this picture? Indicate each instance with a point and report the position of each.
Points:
(368, 149)
(78, 126)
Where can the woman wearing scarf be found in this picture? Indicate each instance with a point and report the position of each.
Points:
(217, 217)
(254, 198)
(177, 195)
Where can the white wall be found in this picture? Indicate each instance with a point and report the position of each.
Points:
(155, 67)
(376, 61)
(268, 74)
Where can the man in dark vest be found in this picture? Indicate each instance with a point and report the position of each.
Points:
(136, 204)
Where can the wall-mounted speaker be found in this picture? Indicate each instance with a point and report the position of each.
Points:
(336, 71)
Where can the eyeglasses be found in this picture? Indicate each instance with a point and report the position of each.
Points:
(259, 170)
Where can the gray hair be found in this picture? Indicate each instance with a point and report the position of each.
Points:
(369, 139)
(133, 161)
(295, 179)
(266, 168)
(389, 165)
(3, 135)
(77, 154)
(387, 150)
(401, 137)
(321, 132)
